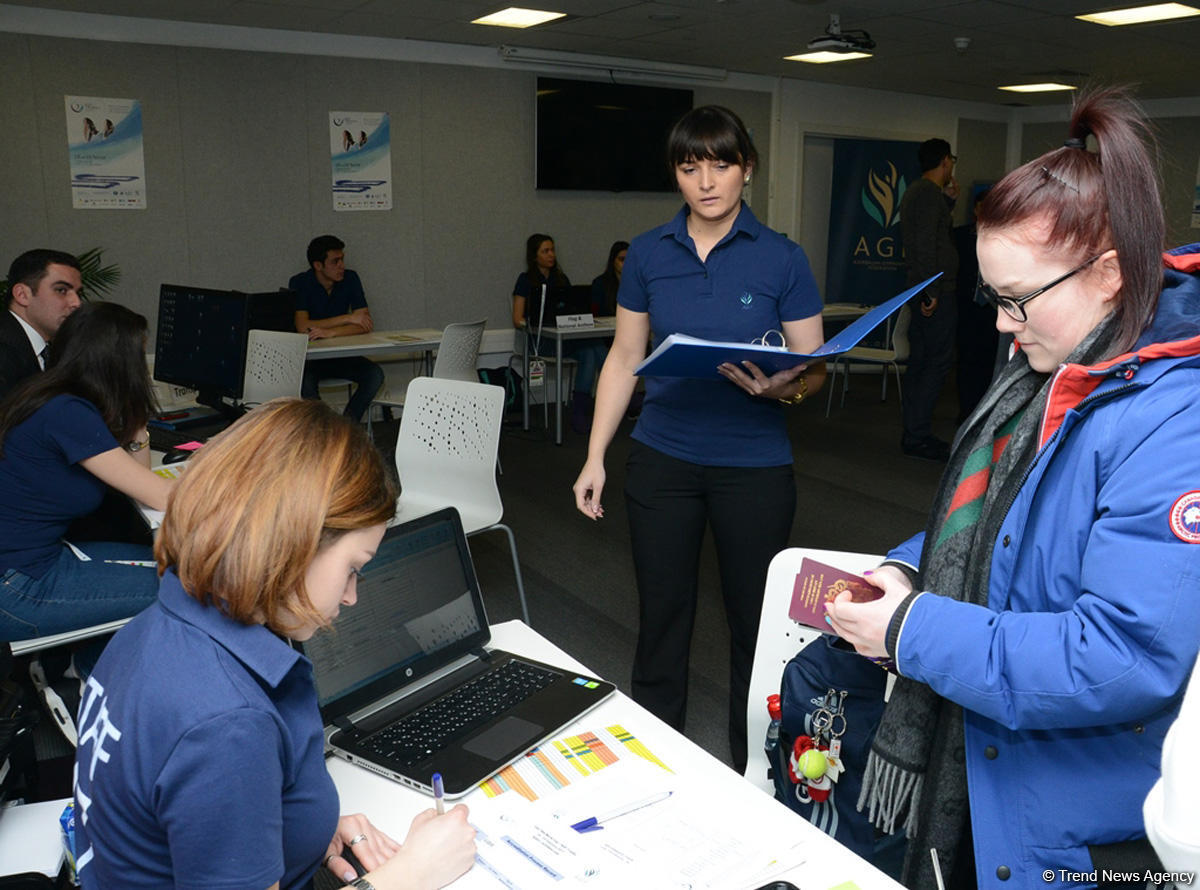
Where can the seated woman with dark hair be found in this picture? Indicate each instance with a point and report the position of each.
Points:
(607, 283)
(201, 757)
(535, 293)
(66, 436)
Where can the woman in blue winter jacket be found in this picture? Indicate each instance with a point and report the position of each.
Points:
(1045, 623)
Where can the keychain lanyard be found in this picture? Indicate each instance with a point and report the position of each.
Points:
(537, 341)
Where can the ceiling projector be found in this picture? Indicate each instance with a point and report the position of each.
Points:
(835, 40)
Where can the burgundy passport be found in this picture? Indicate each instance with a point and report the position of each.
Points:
(816, 583)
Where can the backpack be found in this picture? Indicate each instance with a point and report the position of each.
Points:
(510, 379)
(18, 716)
(840, 681)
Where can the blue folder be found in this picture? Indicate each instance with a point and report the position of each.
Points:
(682, 356)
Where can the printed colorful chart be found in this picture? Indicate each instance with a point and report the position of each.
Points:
(553, 765)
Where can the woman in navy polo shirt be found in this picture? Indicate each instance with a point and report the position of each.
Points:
(66, 435)
(705, 452)
(201, 752)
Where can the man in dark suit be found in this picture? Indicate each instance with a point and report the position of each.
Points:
(43, 289)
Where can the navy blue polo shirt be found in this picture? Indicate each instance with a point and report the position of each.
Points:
(344, 297)
(753, 280)
(201, 756)
(42, 486)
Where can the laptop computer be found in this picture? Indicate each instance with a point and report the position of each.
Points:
(392, 672)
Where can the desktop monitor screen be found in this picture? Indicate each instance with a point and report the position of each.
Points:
(201, 340)
(273, 310)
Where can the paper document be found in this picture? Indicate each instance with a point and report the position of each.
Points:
(684, 839)
(556, 763)
(682, 356)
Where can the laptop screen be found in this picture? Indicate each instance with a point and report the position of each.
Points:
(418, 608)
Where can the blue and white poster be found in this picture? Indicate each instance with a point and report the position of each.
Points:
(360, 144)
(865, 262)
(104, 140)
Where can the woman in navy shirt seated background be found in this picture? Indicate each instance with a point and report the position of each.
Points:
(705, 452)
(543, 275)
(201, 756)
(66, 435)
(606, 284)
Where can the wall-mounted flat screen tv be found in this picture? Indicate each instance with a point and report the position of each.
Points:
(605, 136)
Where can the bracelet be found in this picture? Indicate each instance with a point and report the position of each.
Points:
(799, 396)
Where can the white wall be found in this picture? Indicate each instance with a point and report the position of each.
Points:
(238, 166)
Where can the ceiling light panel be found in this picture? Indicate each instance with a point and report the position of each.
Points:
(1037, 87)
(824, 58)
(517, 17)
(1138, 15)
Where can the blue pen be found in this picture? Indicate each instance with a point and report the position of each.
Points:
(596, 823)
(439, 794)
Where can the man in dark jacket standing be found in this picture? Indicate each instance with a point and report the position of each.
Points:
(925, 228)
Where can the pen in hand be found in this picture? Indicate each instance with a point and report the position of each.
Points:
(439, 794)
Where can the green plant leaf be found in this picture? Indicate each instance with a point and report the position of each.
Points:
(98, 279)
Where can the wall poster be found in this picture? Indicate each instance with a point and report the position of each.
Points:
(104, 141)
(361, 151)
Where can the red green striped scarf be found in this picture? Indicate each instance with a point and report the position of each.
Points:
(966, 505)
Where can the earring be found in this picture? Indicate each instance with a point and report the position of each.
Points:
(746, 180)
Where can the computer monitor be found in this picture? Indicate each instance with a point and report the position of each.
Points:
(271, 311)
(201, 342)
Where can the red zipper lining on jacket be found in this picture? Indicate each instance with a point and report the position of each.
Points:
(1074, 383)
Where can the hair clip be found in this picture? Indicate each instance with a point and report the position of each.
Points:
(1050, 175)
(1075, 142)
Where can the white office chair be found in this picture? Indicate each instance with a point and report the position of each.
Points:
(457, 356)
(274, 365)
(895, 353)
(61, 714)
(458, 353)
(446, 457)
(780, 638)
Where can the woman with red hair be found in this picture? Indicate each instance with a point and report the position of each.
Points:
(1045, 623)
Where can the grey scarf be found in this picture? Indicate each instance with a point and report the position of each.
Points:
(915, 776)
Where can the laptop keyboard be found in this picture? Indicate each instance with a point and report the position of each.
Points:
(428, 730)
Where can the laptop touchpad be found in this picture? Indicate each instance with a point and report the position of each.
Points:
(499, 741)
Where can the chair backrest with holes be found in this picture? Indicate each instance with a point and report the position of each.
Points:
(446, 448)
(458, 352)
(274, 365)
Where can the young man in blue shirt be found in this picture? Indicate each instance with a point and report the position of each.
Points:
(330, 303)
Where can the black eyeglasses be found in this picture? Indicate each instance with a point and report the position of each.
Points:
(1014, 307)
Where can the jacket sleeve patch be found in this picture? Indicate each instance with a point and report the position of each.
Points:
(1185, 517)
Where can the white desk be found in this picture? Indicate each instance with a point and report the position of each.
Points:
(424, 340)
(734, 801)
(831, 311)
(30, 839)
(605, 327)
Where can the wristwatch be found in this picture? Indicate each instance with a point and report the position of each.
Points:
(135, 446)
(362, 884)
